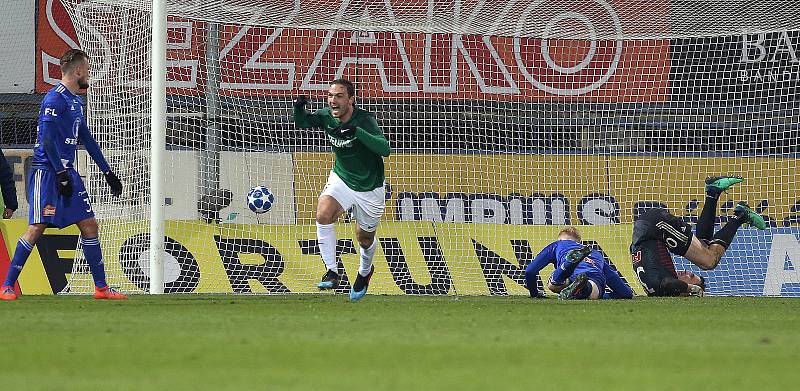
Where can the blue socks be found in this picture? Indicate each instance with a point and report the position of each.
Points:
(21, 255)
(94, 257)
(91, 250)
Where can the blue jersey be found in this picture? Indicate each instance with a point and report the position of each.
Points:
(61, 124)
(595, 266)
(556, 253)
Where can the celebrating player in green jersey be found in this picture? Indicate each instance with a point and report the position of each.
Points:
(356, 180)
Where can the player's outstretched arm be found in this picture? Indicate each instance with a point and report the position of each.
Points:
(671, 286)
(545, 257)
(372, 137)
(302, 118)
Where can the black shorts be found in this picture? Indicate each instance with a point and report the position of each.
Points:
(652, 264)
(659, 224)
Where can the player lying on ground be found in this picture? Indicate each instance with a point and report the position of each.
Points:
(657, 233)
(580, 272)
(356, 180)
(57, 195)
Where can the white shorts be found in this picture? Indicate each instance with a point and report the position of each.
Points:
(367, 206)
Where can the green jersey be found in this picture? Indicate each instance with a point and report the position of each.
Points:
(359, 159)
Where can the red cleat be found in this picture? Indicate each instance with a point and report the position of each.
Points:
(8, 293)
(108, 293)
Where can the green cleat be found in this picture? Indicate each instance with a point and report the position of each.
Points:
(578, 255)
(715, 185)
(575, 289)
(751, 217)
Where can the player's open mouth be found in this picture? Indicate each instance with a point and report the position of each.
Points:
(335, 110)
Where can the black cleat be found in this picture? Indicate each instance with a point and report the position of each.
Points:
(359, 288)
(575, 289)
(329, 281)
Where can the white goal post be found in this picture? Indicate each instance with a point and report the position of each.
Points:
(508, 120)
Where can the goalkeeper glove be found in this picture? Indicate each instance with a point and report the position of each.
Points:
(300, 102)
(345, 130)
(114, 183)
(695, 290)
(64, 183)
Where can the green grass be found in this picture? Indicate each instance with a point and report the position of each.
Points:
(398, 343)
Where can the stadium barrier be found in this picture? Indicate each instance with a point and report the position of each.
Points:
(413, 258)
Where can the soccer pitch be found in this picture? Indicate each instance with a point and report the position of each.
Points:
(316, 342)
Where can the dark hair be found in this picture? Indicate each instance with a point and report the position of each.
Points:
(571, 231)
(702, 282)
(351, 89)
(72, 58)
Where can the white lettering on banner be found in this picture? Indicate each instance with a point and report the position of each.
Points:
(488, 211)
(279, 59)
(515, 209)
(756, 49)
(254, 63)
(369, 49)
(84, 13)
(570, 88)
(785, 251)
(48, 59)
(599, 210)
(783, 48)
(457, 46)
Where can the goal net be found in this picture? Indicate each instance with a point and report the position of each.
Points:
(508, 120)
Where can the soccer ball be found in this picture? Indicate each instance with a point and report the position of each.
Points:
(260, 199)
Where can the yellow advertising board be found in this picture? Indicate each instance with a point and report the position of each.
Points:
(412, 258)
(557, 189)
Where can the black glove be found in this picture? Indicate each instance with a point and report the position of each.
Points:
(347, 130)
(300, 102)
(114, 183)
(64, 183)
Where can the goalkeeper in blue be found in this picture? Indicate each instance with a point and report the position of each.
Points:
(580, 272)
(57, 195)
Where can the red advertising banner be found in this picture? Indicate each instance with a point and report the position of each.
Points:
(55, 34)
(277, 61)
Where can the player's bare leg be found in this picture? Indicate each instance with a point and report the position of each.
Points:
(328, 211)
(33, 233)
(708, 256)
(704, 256)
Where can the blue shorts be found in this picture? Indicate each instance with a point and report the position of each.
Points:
(49, 207)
